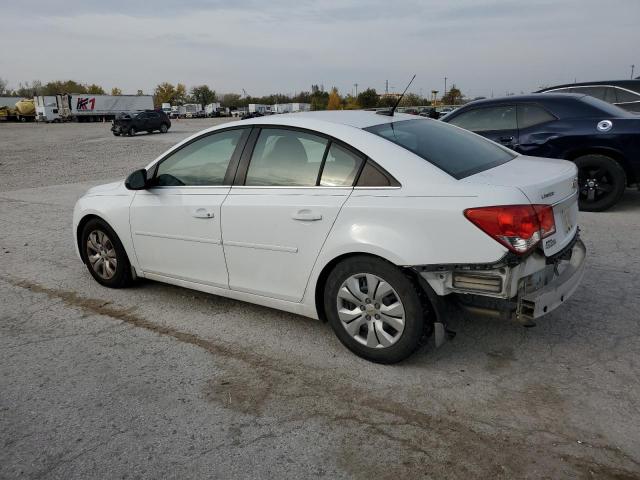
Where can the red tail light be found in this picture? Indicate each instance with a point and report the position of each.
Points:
(518, 227)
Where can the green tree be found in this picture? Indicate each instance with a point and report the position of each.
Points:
(115, 91)
(203, 95)
(387, 101)
(168, 93)
(95, 89)
(28, 90)
(318, 97)
(63, 86)
(411, 100)
(231, 100)
(453, 96)
(368, 98)
(350, 103)
(139, 92)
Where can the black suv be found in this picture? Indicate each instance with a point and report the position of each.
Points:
(132, 123)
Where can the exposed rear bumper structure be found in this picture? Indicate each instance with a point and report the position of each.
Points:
(523, 289)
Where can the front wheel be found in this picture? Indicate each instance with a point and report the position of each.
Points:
(132, 131)
(104, 255)
(601, 182)
(374, 309)
(164, 128)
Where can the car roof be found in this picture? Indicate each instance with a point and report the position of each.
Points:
(532, 97)
(630, 84)
(353, 118)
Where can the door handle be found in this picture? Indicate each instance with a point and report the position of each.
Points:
(202, 213)
(506, 139)
(306, 216)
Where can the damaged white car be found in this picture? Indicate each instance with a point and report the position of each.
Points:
(376, 223)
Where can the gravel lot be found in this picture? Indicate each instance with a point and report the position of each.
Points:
(158, 381)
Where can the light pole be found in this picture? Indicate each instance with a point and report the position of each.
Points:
(444, 94)
(632, 68)
(356, 85)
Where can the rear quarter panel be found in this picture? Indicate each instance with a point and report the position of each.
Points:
(410, 230)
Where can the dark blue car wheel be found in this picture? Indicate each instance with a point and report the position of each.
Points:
(601, 182)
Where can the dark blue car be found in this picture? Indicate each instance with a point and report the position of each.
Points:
(602, 139)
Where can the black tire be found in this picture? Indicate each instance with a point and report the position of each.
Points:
(601, 182)
(117, 134)
(408, 292)
(164, 128)
(122, 276)
(132, 131)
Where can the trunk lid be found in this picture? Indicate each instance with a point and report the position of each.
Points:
(544, 181)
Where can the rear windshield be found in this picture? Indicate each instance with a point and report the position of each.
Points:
(605, 107)
(454, 150)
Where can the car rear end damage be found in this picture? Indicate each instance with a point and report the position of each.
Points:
(545, 257)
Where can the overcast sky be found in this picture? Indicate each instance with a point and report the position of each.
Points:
(267, 46)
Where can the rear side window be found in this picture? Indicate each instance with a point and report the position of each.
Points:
(487, 119)
(530, 115)
(455, 151)
(626, 96)
(340, 167)
(286, 158)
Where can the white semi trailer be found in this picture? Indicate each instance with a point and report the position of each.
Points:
(89, 108)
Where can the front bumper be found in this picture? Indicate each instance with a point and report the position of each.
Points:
(525, 290)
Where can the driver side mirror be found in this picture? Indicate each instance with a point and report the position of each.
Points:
(137, 180)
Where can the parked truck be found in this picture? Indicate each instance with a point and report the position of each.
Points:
(89, 108)
(193, 110)
(16, 108)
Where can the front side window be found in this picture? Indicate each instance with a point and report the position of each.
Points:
(286, 158)
(455, 151)
(202, 162)
(530, 115)
(487, 119)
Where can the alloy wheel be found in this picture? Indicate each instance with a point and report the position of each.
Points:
(595, 184)
(101, 254)
(370, 310)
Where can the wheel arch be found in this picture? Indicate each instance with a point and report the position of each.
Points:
(429, 296)
(608, 152)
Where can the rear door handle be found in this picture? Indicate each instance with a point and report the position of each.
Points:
(202, 213)
(306, 216)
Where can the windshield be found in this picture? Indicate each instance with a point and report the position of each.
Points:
(454, 150)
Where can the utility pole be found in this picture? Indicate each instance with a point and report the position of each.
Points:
(632, 69)
(356, 85)
(386, 87)
(444, 94)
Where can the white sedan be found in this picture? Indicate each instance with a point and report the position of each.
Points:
(375, 223)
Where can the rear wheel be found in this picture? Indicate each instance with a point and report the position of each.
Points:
(104, 254)
(117, 134)
(164, 128)
(374, 309)
(601, 182)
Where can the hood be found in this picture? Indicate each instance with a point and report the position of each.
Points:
(114, 188)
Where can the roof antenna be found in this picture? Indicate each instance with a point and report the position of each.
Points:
(391, 112)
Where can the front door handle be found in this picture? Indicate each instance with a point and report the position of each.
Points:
(306, 216)
(506, 139)
(202, 213)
